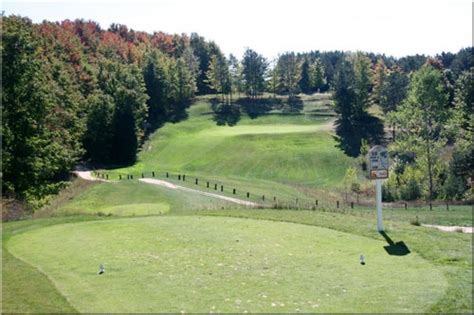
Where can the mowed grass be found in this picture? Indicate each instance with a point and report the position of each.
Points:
(132, 198)
(279, 151)
(192, 242)
(212, 264)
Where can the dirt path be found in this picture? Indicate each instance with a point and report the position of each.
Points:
(173, 186)
(463, 229)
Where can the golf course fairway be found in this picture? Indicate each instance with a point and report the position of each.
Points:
(220, 264)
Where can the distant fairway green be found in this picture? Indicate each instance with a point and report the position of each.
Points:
(278, 151)
(210, 264)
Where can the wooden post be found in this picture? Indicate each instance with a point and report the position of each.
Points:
(406, 206)
(317, 201)
(167, 175)
(184, 177)
(215, 186)
(143, 175)
(352, 205)
(153, 174)
(197, 181)
(263, 197)
(120, 177)
(131, 176)
(337, 204)
(179, 177)
(222, 188)
(233, 191)
(107, 176)
(248, 194)
(207, 184)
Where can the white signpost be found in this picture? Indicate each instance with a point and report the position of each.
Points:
(378, 170)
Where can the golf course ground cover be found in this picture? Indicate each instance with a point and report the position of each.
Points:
(203, 264)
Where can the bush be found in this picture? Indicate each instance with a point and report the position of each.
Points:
(410, 191)
(387, 194)
(454, 188)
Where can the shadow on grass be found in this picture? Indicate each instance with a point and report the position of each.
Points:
(350, 132)
(395, 249)
(258, 107)
(225, 114)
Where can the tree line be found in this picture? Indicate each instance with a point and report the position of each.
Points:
(429, 115)
(73, 91)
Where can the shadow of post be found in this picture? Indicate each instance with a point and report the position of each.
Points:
(395, 249)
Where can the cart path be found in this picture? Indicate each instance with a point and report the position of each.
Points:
(163, 183)
(86, 175)
(444, 228)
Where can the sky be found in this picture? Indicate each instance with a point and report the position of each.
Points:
(271, 27)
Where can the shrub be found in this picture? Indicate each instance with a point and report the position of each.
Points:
(410, 191)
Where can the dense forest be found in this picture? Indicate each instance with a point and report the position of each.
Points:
(73, 92)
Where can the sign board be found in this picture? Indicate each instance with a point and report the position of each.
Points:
(378, 162)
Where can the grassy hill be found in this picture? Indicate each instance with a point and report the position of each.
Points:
(175, 250)
(288, 155)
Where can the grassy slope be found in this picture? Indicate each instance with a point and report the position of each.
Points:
(274, 151)
(128, 198)
(297, 268)
(24, 288)
(450, 252)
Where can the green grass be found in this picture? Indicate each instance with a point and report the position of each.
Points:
(133, 198)
(173, 264)
(50, 265)
(25, 289)
(287, 154)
